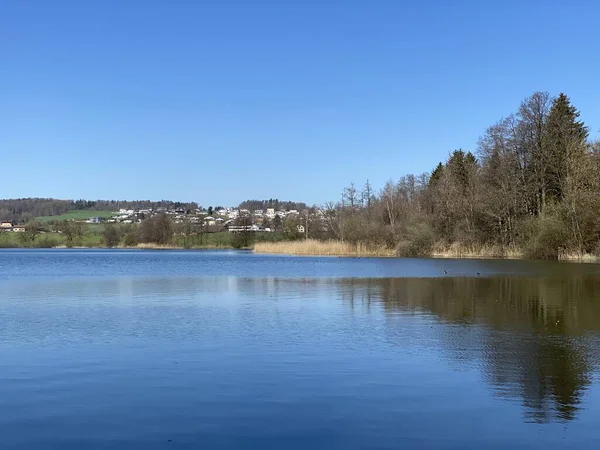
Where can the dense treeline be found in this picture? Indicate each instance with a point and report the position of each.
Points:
(115, 205)
(532, 187)
(25, 209)
(253, 205)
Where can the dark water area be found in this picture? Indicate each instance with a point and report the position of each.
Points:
(142, 349)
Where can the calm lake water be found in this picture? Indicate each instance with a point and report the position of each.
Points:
(141, 349)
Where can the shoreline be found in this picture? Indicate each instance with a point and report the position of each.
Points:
(345, 250)
(122, 247)
(330, 249)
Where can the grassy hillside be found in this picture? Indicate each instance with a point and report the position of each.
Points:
(77, 215)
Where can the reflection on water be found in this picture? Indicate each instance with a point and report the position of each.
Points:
(533, 338)
(538, 337)
(364, 360)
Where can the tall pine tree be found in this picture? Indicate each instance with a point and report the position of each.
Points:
(565, 139)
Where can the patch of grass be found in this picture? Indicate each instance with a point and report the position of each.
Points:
(77, 215)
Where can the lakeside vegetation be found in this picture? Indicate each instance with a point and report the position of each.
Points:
(313, 247)
(154, 233)
(530, 190)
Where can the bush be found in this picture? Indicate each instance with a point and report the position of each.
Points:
(110, 234)
(242, 240)
(130, 238)
(418, 243)
(45, 241)
(549, 236)
(6, 241)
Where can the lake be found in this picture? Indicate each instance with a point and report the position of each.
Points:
(122, 349)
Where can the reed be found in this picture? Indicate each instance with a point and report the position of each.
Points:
(311, 247)
(152, 246)
(579, 257)
(458, 250)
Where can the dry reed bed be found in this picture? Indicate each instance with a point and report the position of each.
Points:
(585, 258)
(473, 252)
(312, 247)
(152, 246)
(337, 248)
(490, 251)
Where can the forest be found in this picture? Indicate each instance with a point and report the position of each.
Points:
(253, 205)
(531, 189)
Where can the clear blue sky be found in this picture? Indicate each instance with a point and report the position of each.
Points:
(225, 100)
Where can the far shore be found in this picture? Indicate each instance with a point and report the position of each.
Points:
(334, 248)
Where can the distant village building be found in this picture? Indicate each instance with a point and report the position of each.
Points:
(18, 228)
(6, 226)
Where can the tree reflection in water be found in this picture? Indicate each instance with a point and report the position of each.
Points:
(535, 338)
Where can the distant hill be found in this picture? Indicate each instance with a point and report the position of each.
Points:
(22, 210)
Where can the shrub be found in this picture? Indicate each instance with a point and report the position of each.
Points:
(5, 240)
(110, 235)
(419, 241)
(242, 240)
(45, 241)
(549, 236)
(130, 238)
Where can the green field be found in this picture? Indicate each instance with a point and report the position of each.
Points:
(77, 215)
